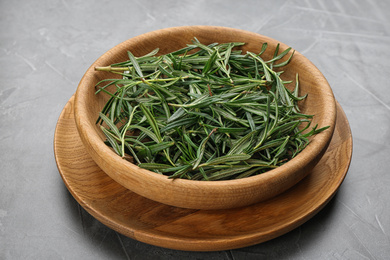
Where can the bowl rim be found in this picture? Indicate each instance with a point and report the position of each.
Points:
(91, 138)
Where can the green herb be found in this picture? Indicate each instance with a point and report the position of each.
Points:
(204, 112)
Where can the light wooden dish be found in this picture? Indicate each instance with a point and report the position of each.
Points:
(202, 194)
(197, 230)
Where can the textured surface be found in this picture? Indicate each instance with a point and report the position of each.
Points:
(46, 46)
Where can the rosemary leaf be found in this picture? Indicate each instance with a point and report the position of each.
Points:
(204, 112)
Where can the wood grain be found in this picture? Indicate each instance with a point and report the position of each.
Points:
(205, 194)
(197, 230)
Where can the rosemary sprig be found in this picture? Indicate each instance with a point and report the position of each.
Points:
(204, 112)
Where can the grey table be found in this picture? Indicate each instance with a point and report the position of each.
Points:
(45, 48)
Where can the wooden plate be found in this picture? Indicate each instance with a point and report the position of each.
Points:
(197, 230)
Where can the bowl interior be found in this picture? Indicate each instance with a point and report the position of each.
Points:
(319, 102)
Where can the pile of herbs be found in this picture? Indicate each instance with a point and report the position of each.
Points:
(204, 112)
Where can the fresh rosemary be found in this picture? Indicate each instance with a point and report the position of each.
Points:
(204, 112)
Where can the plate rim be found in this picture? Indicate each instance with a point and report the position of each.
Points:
(159, 238)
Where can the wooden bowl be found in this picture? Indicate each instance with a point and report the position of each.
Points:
(204, 194)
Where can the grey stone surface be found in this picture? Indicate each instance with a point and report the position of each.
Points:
(45, 48)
